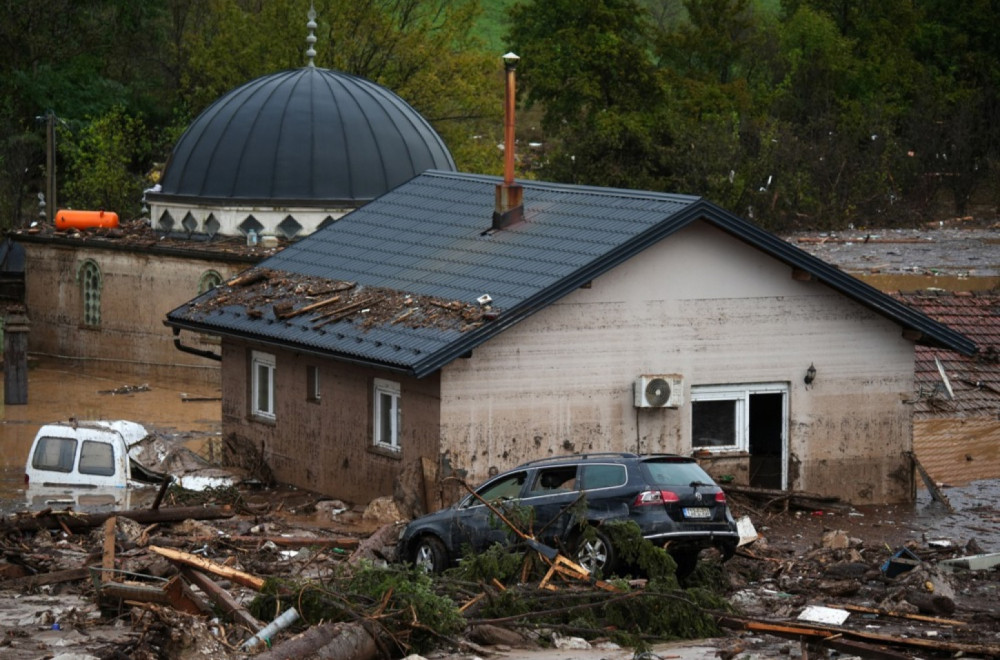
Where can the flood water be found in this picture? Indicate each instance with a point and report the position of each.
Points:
(58, 391)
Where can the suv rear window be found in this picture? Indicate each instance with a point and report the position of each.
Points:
(675, 473)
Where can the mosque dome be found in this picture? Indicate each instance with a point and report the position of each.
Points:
(304, 135)
(290, 151)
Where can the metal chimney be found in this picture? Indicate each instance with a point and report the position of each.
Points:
(509, 208)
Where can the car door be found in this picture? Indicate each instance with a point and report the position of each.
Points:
(476, 525)
(551, 493)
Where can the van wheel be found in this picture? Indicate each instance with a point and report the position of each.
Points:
(593, 551)
(687, 561)
(429, 554)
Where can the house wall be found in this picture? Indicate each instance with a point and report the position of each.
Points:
(139, 288)
(327, 446)
(704, 305)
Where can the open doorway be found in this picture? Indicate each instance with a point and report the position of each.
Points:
(745, 418)
(766, 440)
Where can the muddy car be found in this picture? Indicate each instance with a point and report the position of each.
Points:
(672, 499)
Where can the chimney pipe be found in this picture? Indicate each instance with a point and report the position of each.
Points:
(509, 209)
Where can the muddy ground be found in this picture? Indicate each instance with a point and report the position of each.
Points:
(831, 558)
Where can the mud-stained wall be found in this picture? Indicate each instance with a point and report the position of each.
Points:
(704, 305)
(138, 289)
(326, 446)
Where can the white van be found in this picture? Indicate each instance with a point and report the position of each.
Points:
(85, 461)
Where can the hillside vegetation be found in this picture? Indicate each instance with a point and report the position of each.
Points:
(794, 113)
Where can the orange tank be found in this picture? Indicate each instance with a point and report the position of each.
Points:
(69, 219)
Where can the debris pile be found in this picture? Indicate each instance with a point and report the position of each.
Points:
(275, 574)
(266, 293)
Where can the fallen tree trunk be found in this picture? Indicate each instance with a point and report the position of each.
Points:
(82, 521)
(328, 641)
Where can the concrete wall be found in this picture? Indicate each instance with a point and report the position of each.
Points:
(708, 307)
(139, 288)
(327, 446)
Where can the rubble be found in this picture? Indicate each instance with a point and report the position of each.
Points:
(194, 583)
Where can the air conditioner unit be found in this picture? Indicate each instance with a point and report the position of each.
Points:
(659, 391)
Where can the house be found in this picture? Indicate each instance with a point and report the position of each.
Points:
(435, 332)
(956, 407)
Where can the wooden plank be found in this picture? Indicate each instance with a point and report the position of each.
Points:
(209, 566)
(108, 559)
(430, 476)
(69, 575)
(71, 520)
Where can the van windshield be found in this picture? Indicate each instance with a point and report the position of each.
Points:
(671, 472)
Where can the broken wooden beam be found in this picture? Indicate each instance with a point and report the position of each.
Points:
(80, 521)
(32, 581)
(210, 566)
(222, 598)
(343, 543)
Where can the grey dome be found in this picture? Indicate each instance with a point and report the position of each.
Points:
(306, 135)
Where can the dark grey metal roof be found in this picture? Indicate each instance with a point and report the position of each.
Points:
(430, 237)
(302, 135)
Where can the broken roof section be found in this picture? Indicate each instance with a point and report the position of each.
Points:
(431, 239)
(970, 386)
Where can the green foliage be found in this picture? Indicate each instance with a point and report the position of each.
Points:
(101, 164)
(398, 596)
(498, 562)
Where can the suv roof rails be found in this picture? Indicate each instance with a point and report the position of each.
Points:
(583, 457)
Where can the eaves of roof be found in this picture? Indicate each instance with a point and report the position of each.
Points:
(426, 238)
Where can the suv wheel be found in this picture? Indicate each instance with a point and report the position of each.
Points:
(594, 551)
(429, 554)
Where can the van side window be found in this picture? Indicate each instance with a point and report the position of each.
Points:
(97, 458)
(54, 454)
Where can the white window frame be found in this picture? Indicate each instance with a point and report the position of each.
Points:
(740, 394)
(391, 390)
(313, 384)
(262, 365)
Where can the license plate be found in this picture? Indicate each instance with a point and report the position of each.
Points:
(697, 512)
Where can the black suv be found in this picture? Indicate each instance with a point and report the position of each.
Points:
(674, 502)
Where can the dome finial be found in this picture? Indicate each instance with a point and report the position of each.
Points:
(311, 39)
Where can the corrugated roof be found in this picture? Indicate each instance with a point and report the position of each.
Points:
(975, 379)
(432, 238)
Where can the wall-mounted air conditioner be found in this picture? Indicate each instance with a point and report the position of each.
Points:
(659, 391)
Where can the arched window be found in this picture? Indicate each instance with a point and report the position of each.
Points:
(89, 277)
(209, 280)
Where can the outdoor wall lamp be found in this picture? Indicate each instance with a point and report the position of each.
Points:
(810, 374)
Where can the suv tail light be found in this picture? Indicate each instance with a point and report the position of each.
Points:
(652, 497)
(720, 497)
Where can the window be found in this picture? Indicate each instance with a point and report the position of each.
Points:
(262, 387)
(97, 458)
(89, 277)
(387, 414)
(721, 414)
(208, 281)
(603, 476)
(56, 454)
(312, 384)
(507, 487)
(554, 480)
